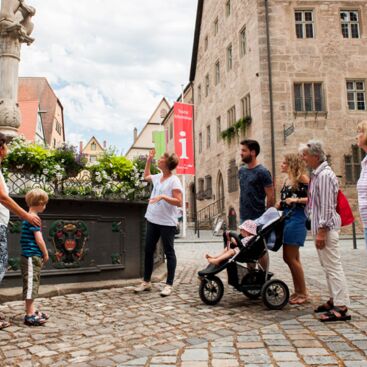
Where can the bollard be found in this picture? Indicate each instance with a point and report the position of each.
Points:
(354, 236)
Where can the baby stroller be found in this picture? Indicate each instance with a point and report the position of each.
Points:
(253, 280)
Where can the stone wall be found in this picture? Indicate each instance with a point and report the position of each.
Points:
(328, 58)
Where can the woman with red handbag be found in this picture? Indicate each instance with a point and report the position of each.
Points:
(362, 182)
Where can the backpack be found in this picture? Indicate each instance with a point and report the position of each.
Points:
(344, 210)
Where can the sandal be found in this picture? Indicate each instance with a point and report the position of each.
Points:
(328, 306)
(34, 320)
(42, 315)
(336, 314)
(4, 324)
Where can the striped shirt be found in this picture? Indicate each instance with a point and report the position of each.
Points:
(322, 199)
(28, 241)
(362, 192)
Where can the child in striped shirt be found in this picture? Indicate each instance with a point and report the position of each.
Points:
(34, 256)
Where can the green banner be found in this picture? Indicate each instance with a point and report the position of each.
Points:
(159, 140)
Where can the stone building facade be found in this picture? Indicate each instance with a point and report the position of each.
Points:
(298, 68)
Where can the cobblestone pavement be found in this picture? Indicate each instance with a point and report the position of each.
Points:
(117, 328)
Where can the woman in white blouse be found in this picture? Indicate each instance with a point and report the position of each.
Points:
(362, 182)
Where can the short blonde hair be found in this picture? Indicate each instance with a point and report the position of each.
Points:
(36, 197)
(362, 128)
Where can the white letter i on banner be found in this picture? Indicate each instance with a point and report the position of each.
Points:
(183, 145)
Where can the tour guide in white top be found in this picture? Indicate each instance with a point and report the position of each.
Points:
(325, 225)
(161, 215)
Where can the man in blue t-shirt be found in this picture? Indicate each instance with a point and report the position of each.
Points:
(255, 183)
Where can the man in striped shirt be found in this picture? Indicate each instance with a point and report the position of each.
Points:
(325, 225)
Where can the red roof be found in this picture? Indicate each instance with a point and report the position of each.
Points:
(28, 125)
(32, 89)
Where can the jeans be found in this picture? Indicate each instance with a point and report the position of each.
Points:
(3, 251)
(365, 236)
(167, 234)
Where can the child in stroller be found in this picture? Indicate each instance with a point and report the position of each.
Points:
(247, 231)
(254, 281)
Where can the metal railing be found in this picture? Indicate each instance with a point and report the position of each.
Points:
(207, 215)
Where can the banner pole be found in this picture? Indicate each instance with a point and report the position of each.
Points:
(184, 214)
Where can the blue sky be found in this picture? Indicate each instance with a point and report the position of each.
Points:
(111, 62)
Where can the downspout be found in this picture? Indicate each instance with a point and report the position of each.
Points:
(270, 77)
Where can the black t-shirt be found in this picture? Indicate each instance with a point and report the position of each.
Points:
(252, 191)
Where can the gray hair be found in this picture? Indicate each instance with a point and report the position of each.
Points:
(315, 148)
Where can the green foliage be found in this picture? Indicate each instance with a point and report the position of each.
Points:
(232, 131)
(68, 157)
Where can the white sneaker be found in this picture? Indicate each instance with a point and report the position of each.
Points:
(144, 286)
(166, 291)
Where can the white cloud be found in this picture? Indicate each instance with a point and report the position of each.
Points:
(111, 62)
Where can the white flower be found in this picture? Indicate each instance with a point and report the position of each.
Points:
(45, 171)
(98, 179)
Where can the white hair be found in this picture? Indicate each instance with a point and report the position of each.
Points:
(315, 148)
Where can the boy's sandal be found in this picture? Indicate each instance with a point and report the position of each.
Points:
(42, 315)
(34, 320)
(336, 314)
(4, 324)
(328, 306)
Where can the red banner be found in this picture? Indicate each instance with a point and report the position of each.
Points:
(184, 140)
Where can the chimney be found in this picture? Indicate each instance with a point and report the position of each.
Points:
(135, 134)
(104, 144)
(81, 147)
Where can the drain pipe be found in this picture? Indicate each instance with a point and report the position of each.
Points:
(270, 90)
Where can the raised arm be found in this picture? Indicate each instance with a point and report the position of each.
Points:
(147, 174)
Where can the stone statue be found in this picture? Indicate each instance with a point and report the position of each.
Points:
(15, 28)
(15, 16)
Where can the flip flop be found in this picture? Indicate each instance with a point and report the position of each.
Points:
(331, 317)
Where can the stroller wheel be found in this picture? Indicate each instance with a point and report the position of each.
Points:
(275, 294)
(211, 290)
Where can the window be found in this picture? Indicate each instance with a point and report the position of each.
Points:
(54, 143)
(232, 175)
(304, 23)
(246, 106)
(199, 93)
(208, 133)
(228, 8)
(353, 165)
(229, 57)
(231, 116)
(93, 159)
(93, 146)
(171, 131)
(308, 97)
(243, 41)
(217, 73)
(208, 187)
(356, 94)
(58, 127)
(349, 23)
(200, 142)
(219, 129)
(200, 194)
(206, 85)
(206, 42)
(216, 26)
